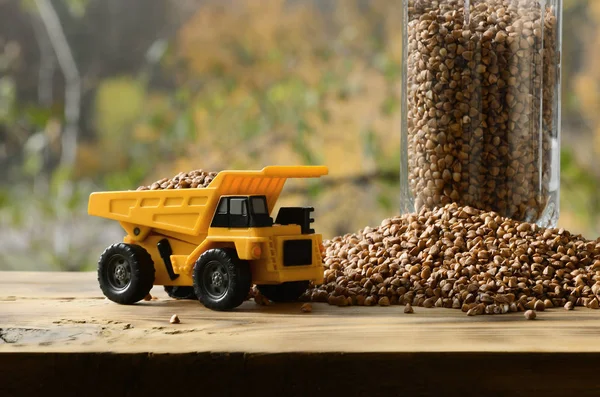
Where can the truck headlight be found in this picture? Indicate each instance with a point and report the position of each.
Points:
(256, 251)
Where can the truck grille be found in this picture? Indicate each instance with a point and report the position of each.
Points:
(297, 252)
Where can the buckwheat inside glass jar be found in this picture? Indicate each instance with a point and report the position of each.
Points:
(481, 106)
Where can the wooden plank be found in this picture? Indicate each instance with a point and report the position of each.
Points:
(300, 374)
(65, 312)
(52, 324)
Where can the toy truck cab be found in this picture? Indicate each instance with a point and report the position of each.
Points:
(211, 243)
(252, 211)
(242, 211)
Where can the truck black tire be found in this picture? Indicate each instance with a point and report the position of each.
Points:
(180, 292)
(125, 273)
(286, 292)
(221, 280)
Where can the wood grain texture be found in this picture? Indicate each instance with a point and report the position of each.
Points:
(54, 325)
(66, 312)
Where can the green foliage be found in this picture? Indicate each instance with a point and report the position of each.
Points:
(127, 179)
(7, 97)
(315, 189)
(28, 5)
(44, 221)
(38, 116)
(385, 201)
(579, 190)
(119, 104)
(77, 8)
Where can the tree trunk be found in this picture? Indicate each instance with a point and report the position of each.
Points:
(69, 69)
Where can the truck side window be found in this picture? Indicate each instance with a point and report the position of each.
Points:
(238, 207)
(222, 207)
(259, 205)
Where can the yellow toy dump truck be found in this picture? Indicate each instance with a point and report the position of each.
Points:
(211, 243)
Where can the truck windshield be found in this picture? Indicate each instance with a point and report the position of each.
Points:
(259, 205)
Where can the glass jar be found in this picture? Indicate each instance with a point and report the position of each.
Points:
(481, 106)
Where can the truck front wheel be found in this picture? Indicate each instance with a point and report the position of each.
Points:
(221, 280)
(125, 273)
(286, 292)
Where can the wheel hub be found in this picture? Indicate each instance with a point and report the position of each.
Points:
(119, 274)
(217, 279)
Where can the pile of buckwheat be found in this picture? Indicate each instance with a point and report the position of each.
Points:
(183, 180)
(462, 258)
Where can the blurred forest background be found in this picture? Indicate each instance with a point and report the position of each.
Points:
(112, 94)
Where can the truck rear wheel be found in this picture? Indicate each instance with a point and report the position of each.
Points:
(125, 273)
(180, 292)
(286, 292)
(221, 280)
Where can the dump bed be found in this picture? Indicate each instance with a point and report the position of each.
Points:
(190, 211)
